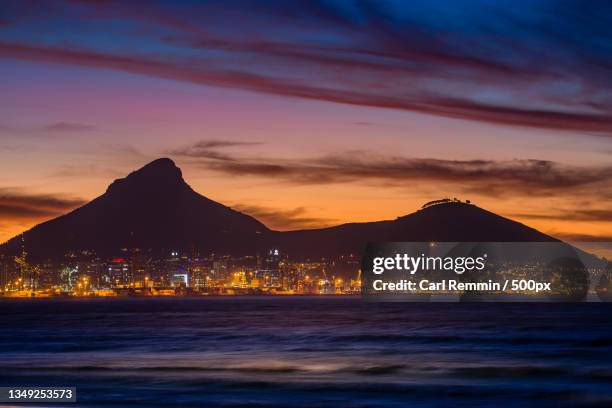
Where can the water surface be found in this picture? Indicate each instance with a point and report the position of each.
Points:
(309, 352)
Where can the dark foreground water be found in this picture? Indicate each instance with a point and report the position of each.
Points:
(310, 352)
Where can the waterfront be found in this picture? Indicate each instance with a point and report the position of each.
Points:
(84, 274)
(309, 351)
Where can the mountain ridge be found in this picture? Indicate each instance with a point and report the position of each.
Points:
(155, 209)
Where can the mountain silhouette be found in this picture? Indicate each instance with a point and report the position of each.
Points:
(154, 209)
(448, 222)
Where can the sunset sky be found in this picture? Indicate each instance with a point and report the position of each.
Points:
(313, 113)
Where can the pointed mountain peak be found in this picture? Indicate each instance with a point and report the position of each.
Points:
(160, 172)
(163, 167)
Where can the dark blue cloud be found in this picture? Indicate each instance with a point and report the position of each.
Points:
(543, 64)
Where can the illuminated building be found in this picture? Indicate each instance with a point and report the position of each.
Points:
(174, 266)
(198, 276)
(180, 280)
(239, 280)
(270, 273)
(93, 267)
(48, 277)
(220, 270)
(120, 272)
(5, 275)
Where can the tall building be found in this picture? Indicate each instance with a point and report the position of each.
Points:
(198, 273)
(176, 271)
(270, 272)
(5, 276)
(220, 270)
(120, 273)
(49, 275)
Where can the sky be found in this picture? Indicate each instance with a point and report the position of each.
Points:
(313, 113)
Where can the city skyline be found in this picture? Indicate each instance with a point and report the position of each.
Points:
(313, 114)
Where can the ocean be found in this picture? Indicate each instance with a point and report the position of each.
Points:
(309, 352)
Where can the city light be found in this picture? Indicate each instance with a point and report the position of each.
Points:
(129, 273)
